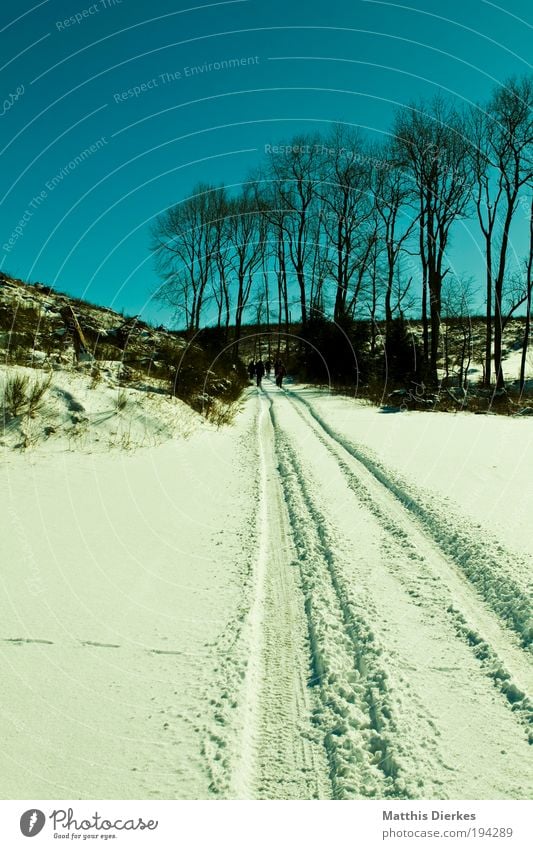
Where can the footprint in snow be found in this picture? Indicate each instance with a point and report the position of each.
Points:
(20, 640)
(162, 651)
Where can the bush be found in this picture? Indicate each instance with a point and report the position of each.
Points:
(402, 356)
(122, 400)
(221, 413)
(21, 394)
(335, 352)
(36, 392)
(201, 378)
(15, 394)
(213, 340)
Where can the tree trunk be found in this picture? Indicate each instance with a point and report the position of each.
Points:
(498, 337)
(498, 294)
(529, 284)
(238, 316)
(423, 259)
(303, 305)
(435, 285)
(388, 291)
(282, 290)
(488, 329)
(525, 343)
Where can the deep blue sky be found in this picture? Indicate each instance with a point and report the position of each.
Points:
(342, 60)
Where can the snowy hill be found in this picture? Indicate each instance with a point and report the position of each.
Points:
(118, 395)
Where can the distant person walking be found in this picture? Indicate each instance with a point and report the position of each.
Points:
(251, 369)
(259, 371)
(280, 374)
(268, 367)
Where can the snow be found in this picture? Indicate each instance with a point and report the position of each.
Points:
(480, 463)
(89, 409)
(319, 601)
(121, 573)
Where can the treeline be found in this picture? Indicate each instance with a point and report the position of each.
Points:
(337, 229)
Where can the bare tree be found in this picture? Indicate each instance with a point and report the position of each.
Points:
(430, 142)
(177, 294)
(511, 156)
(458, 333)
(368, 250)
(294, 175)
(320, 265)
(246, 236)
(403, 297)
(345, 195)
(275, 218)
(374, 291)
(221, 268)
(529, 293)
(283, 294)
(393, 195)
(184, 243)
(487, 199)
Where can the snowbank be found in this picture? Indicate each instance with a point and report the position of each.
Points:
(481, 464)
(88, 409)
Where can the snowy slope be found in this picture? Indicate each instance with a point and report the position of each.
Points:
(121, 573)
(81, 413)
(303, 605)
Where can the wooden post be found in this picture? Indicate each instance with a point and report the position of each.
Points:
(81, 349)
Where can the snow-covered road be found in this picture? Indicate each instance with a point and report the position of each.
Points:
(285, 615)
(412, 673)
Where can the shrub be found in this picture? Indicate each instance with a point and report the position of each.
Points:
(36, 392)
(221, 413)
(335, 352)
(401, 354)
(22, 394)
(206, 379)
(122, 400)
(15, 394)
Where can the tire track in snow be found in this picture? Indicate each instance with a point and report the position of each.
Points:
(484, 570)
(280, 756)
(355, 713)
(359, 726)
(450, 734)
(493, 647)
(243, 772)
